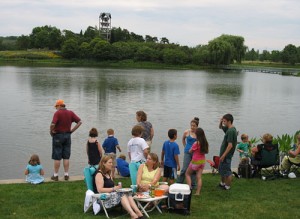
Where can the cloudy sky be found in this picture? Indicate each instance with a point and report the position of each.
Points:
(265, 24)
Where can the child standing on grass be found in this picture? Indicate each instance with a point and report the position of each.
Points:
(169, 157)
(93, 148)
(199, 149)
(243, 147)
(110, 145)
(34, 171)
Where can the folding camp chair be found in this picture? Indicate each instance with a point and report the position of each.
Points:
(214, 164)
(92, 199)
(266, 160)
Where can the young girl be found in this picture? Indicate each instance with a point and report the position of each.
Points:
(93, 148)
(34, 171)
(199, 149)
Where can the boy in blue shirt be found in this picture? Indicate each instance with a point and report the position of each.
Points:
(123, 166)
(169, 157)
(109, 145)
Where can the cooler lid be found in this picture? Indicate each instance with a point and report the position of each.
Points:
(179, 188)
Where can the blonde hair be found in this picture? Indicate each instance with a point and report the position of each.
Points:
(103, 161)
(110, 131)
(267, 138)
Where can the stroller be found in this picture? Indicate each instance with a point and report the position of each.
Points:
(214, 164)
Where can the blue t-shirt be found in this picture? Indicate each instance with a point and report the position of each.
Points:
(123, 167)
(109, 144)
(170, 149)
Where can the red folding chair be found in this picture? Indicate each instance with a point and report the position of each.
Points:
(214, 164)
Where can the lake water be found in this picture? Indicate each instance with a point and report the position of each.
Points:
(109, 98)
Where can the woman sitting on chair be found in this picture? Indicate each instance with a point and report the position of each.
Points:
(292, 158)
(149, 174)
(105, 184)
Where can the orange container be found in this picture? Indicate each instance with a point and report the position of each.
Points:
(159, 192)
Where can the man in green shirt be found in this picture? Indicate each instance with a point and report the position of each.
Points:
(227, 150)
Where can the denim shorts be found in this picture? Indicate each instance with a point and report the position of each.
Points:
(225, 167)
(61, 146)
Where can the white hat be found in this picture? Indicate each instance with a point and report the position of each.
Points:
(292, 175)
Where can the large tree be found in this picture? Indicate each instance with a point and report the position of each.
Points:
(290, 54)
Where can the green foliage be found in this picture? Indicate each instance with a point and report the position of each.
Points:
(70, 49)
(285, 142)
(290, 54)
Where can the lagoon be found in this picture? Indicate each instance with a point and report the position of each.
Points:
(109, 98)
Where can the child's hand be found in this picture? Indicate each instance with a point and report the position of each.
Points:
(162, 164)
(120, 150)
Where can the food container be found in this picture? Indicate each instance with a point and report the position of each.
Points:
(159, 192)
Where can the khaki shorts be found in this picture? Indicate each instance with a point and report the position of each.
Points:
(113, 156)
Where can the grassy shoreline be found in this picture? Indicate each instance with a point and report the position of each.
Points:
(248, 198)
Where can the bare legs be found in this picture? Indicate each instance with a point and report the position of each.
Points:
(188, 174)
(66, 164)
(129, 204)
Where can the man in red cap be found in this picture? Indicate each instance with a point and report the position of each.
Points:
(61, 130)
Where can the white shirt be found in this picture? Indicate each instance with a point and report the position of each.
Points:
(136, 147)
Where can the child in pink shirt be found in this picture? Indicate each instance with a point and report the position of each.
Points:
(199, 149)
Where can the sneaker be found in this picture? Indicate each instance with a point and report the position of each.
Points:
(54, 178)
(221, 186)
(66, 177)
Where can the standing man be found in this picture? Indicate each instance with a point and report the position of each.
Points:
(60, 130)
(227, 150)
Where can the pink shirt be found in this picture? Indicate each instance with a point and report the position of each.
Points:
(198, 157)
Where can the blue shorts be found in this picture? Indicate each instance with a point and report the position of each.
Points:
(170, 172)
(61, 146)
(225, 168)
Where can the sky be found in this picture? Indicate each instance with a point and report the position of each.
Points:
(264, 24)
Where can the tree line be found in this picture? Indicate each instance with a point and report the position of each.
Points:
(123, 45)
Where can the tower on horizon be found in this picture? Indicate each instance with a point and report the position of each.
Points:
(105, 25)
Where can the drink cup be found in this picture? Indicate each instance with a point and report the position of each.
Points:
(134, 188)
(120, 184)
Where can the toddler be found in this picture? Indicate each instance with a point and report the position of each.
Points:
(34, 171)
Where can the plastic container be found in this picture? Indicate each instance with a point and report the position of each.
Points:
(159, 192)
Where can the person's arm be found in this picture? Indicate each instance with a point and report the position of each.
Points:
(100, 149)
(42, 172)
(177, 162)
(52, 126)
(156, 177)
(296, 152)
(229, 146)
(162, 158)
(26, 171)
(145, 151)
(129, 156)
(139, 175)
(184, 137)
(151, 133)
(76, 126)
(221, 123)
(119, 148)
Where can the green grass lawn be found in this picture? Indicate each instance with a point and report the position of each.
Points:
(248, 198)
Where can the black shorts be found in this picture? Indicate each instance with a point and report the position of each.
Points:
(170, 172)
